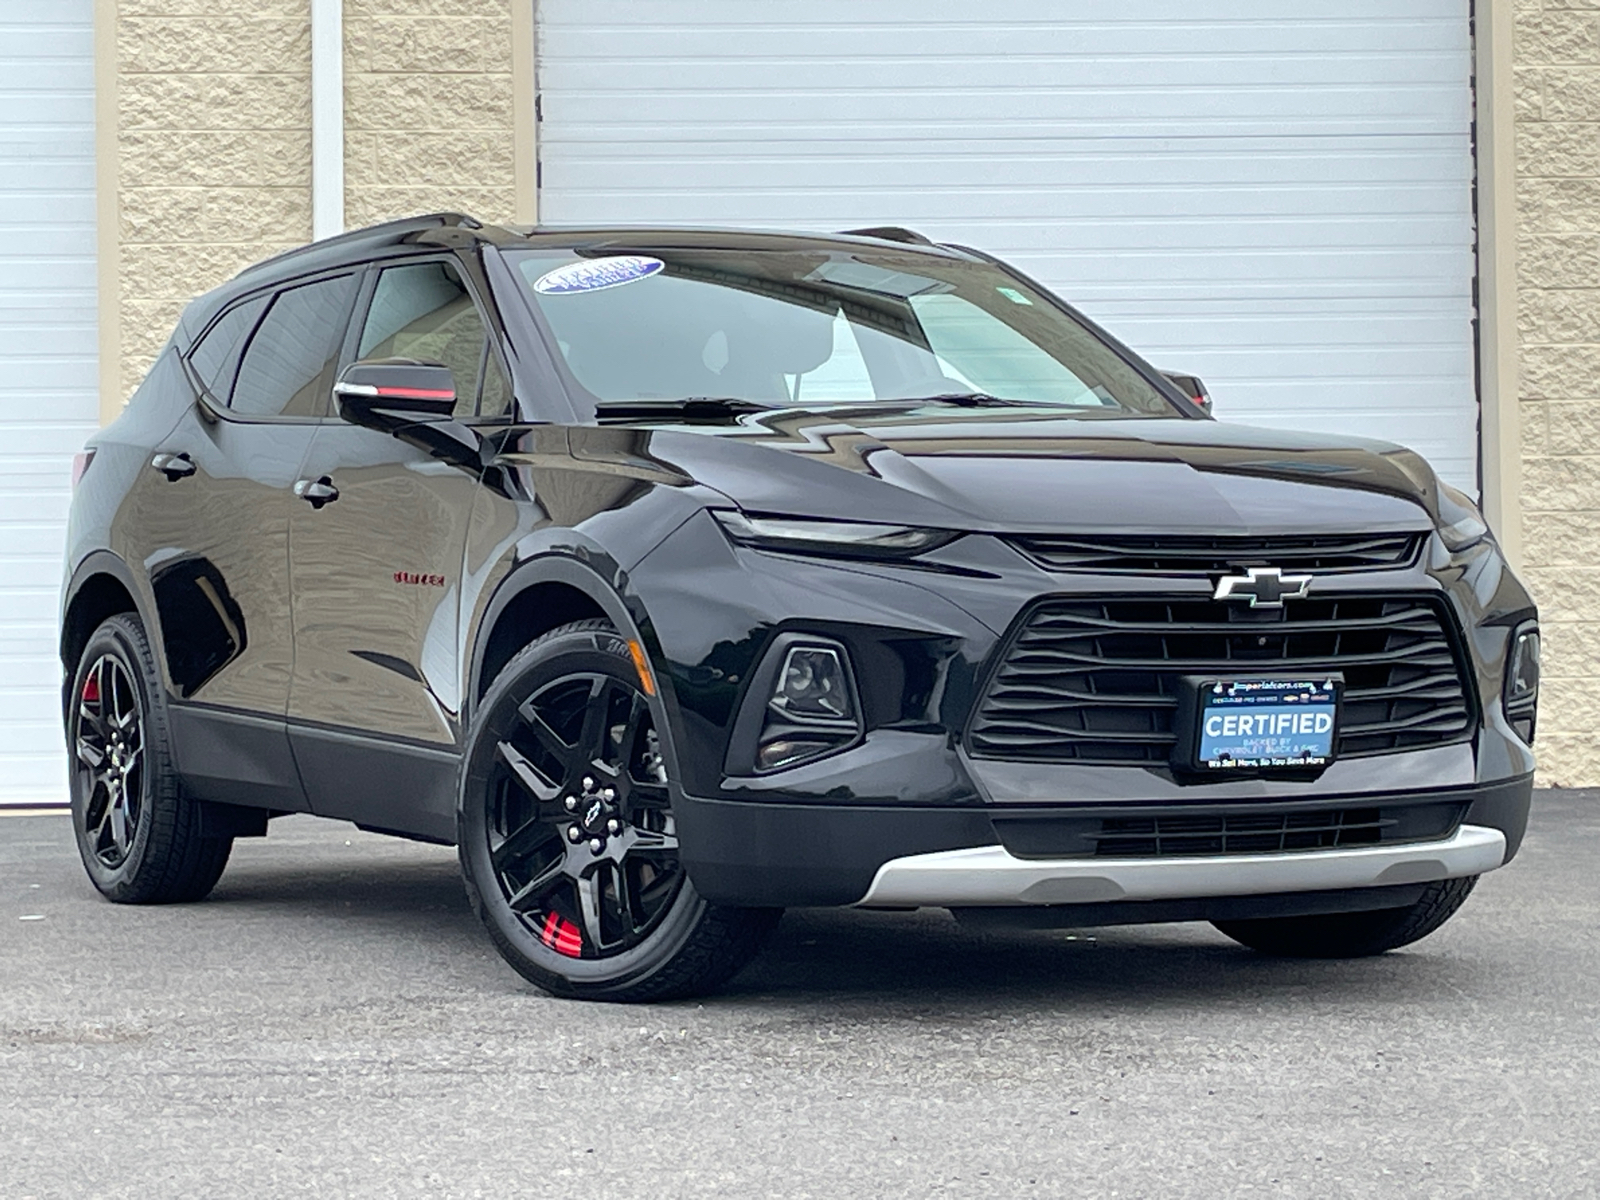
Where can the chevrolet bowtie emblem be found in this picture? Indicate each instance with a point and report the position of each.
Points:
(1263, 587)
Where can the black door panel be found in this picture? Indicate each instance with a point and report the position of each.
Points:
(376, 547)
(376, 580)
(217, 546)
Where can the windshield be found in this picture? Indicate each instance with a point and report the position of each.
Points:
(815, 328)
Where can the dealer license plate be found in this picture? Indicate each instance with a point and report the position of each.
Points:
(1257, 724)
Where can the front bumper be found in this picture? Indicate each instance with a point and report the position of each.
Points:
(990, 875)
(775, 854)
(921, 639)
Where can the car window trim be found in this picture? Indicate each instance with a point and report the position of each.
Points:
(534, 359)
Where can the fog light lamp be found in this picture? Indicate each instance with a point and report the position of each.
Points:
(812, 686)
(812, 710)
(1522, 681)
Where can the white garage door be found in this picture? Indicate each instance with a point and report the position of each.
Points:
(1274, 194)
(48, 398)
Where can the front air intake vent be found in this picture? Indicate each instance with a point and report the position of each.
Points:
(1194, 829)
(1220, 555)
(1267, 833)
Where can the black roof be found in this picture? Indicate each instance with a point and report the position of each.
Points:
(344, 246)
(677, 237)
(437, 228)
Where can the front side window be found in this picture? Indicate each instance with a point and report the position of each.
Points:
(288, 368)
(814, 327)
(424, 311)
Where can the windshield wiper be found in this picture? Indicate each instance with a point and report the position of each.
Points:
(690, 408)
(975, 400)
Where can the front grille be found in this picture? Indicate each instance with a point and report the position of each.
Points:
(1219, 555)
(1097, 680)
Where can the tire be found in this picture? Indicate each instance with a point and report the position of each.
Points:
(565, 831)
(1353, 935)
(139, 836)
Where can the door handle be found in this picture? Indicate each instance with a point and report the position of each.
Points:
(316, 492)
(173, 466)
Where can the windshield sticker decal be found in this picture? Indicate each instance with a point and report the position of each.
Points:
(1014, 296)
(596, 274)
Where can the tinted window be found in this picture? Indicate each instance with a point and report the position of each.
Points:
(425, 312)
(811, 326)
(287, 369)
(215, 357)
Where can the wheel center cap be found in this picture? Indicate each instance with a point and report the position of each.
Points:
(594, 815)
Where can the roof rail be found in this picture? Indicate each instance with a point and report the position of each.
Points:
(387, 231)
(890, 233)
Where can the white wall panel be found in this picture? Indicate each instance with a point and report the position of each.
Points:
(48, 396)
(1275, 194)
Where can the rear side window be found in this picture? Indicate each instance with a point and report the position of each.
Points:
(215, 357)
(424, 311)
(288, 367)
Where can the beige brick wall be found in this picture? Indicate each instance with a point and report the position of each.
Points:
(213, 145)
(428, 109)
(1557, 57)
(213, 160)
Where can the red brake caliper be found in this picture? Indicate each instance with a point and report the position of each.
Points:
(91, 690)
(562, 936)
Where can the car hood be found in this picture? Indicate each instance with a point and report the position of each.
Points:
(1017, 470)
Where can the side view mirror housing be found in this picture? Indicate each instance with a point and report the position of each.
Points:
(387, 393)
(1192, 387)
(413, 401)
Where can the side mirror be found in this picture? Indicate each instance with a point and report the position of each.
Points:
(414, 401)
(1191, 387)
(387, 393)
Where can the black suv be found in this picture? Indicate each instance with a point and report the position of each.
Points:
(680, 576)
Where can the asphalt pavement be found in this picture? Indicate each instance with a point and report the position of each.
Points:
(333, 1021)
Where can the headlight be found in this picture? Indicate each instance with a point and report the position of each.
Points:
(1461, 524)
(802, 706)
(809, 536)
(1521, 695)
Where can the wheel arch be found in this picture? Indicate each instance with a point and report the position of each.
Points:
(101, 587)
(584, 592)
(542, 594)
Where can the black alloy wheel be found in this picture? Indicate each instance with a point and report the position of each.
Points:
(581, 833)
(567, 839)
(109, 754)
(142, 840)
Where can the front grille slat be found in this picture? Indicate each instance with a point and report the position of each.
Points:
(1445, 719)
(1208, 555)
(1203, 664)
(1096, 680)
(1396, 621)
